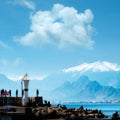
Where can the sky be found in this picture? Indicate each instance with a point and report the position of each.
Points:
(44, 36)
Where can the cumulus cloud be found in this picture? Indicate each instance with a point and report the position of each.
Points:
(61, 26)
(95, 67)
(25, 3)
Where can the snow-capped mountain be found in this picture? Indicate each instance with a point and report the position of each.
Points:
(106, 73)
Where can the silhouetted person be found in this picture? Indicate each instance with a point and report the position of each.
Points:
(16, 93)
(37, 92)
(10, 93)
(2, 92)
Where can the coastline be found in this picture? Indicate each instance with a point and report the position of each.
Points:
(50, 112)
(107, 108)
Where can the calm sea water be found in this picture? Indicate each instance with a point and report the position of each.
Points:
(107, 108)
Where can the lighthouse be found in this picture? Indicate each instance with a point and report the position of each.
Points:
(25, 99)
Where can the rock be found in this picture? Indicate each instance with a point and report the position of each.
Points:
(73, 117)
(37, 114)
(115, 116)
(72, 114)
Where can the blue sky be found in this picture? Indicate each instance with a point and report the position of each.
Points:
(43, 36)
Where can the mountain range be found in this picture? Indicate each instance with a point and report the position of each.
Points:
(74, 84)
(84, 89)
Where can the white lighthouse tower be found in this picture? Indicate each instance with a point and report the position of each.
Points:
(25, 99)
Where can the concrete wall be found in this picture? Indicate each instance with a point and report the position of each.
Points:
(17, 100)
(10, 100)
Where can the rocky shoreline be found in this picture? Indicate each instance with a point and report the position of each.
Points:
(58, 113)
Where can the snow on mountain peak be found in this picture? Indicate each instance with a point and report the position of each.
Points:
(98, 66)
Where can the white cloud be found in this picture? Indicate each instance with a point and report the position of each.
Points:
(62, 26)
(15, 62)
(25, 3)
(4, 45)
(38, 77)
(16, 78)
(95, 67)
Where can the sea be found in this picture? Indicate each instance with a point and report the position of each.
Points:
(107, 108)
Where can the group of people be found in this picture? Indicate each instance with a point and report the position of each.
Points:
(5, 93)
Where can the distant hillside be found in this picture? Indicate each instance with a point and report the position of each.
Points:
(96, 92)
(85, 90)
(78, 88)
